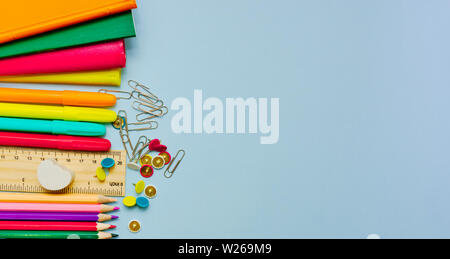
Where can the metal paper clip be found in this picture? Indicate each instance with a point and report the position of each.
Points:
(156, 111)
(143, 93)
(143, 117)
(136, 153)
(124, 134)
(141, 126)
(149, 99)
(168, 173)
(120, 95)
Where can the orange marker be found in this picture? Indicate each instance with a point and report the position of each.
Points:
(69, 98)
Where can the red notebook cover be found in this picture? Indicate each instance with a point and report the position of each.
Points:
(101, 56)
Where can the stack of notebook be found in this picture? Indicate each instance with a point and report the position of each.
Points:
(64, 42)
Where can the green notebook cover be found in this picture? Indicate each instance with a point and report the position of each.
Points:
(109, 28)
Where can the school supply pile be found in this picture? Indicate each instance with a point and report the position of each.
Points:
(147, 154)
(52, 148)
(55, 216)
(65, 42)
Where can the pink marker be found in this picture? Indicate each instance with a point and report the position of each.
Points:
(61, 142)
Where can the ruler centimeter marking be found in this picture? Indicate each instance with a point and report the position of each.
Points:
(18, 170)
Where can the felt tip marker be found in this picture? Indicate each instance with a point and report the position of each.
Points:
(55, 127)
(61, 142)
(71, 98)
(53, 112)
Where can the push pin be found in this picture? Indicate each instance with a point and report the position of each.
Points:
(139, 187)
(146, 171)
(129, 201)
(155, 145)
(108, 163)
(158, 162)
(167, 157)
(101, 174)
(146, 160)
(119, 122)
(150, 192)
(134, 226)
(142, 202)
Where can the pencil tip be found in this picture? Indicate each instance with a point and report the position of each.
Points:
(114, 235)
(114, 217)
(116, 208)
(112, 226)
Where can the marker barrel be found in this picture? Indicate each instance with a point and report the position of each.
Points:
(72, 98)
(61, 142)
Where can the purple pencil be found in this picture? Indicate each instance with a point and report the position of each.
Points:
(55, 216)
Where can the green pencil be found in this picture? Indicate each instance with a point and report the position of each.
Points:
(20, 234)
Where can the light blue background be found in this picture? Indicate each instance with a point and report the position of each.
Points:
(364, 127)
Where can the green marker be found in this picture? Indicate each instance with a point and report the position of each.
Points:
(55, 127)
(22, 234)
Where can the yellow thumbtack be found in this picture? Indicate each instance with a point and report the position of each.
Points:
(101, 174)
(139, 187)
(129, 201)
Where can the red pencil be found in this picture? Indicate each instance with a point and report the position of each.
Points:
(54, 226)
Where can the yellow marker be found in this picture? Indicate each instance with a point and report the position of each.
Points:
(104, 77)
(101, 174)
(129, 201)
(139, 187)
(68, 113)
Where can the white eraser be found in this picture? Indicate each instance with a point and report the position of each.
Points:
(54, 177)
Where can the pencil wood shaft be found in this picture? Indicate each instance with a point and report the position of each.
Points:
(54, 198)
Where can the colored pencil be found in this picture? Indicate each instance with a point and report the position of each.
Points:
(54, 198)
(56, 216)
(56, 226)
(21, 234)
(50, 207)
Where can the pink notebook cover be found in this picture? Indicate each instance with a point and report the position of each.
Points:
(85, 58)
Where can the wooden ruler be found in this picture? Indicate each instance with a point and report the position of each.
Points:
(18, 170)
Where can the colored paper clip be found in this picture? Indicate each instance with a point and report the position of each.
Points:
(168, 173)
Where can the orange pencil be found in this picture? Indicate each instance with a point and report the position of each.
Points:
(68, 98)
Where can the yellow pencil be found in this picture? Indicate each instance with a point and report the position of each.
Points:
(54, 198)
